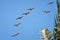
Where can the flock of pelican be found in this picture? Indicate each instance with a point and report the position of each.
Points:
(19, 18)
(45, 32)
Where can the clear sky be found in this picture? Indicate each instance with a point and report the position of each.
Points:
(31, 24)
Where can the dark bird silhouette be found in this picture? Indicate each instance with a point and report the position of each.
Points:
(26, 13)
(14, 35)
(17, 24)
(19, 18)
(30, 9)
(50, 2)
(46, 11)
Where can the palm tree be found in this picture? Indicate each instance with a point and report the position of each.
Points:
(46, 34)
(57, 26)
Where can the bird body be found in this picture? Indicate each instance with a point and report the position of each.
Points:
(17, 24)
(46, 11)
(30, 9)
(26, 13)
(19, 17)
(50, 2)
(14, 35)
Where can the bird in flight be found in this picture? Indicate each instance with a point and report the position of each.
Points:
(17, 24)
(46, 11)
(19, 18)
(50, 2)
(30, 9)
(16, 34)
(26, 13)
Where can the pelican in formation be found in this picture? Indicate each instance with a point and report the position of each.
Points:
(30, 9)
(26, 13)
(19, 18)
(46, 11)
(14, 35)
(50, 2)
(17, 24)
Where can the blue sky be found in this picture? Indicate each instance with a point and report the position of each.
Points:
(31, 24)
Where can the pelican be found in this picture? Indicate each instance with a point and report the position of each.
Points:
(50, 2)
(19, 17)
(26, 13)
(46, 11)
(14, 35)
(30, 9)
(17, 24)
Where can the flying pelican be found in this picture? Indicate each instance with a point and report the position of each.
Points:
(17, 24)
(26, 13)
(14, 35)
(30, 9)
(50, 2)
(19, 17)
(46, 11)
